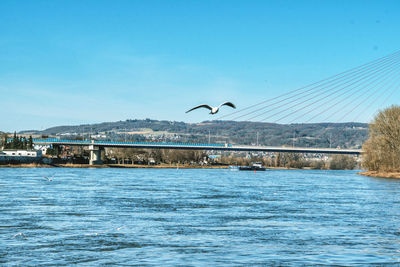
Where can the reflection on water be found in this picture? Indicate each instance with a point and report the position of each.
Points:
(168, 216)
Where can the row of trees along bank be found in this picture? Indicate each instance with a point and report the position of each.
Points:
(296, 160)
(168, 156)
(17, 142)
(196, 157)
(381, 152)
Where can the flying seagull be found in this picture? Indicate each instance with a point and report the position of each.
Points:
(213, 109)
(49, 179)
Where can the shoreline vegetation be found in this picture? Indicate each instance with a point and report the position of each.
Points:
(381, 174)
(71, 165)
(381, 152)
(137, 166)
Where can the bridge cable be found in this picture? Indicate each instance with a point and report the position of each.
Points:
(367, 66)
(356, 106)
(296, 100)
(341, 99)
(321, 93)
(362, 101)
(376, 99)
(347, 72)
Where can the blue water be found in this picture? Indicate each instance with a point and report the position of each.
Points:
(197, 217)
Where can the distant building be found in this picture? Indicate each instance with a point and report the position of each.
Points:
(43, 148)
(152, 161)
(22, 156)
(23, 153)
(99, 136)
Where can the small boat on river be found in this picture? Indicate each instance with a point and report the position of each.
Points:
(256, 166)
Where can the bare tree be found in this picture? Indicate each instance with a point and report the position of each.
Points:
(381, 152)
(342, 162)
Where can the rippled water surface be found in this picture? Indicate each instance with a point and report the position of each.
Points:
(197, 217)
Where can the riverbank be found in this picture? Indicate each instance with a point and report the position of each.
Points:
(167, 166)
(381, 174)
(160, 166)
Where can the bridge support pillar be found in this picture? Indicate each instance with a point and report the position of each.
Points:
(95, 155)
(57, 149)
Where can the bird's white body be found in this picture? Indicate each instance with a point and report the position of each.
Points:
(214, 110)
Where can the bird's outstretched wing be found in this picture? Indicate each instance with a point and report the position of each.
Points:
(201, 106)
(49, 179)
(228, 104)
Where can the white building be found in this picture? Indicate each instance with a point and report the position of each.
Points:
(25, 156)
(43, 148)
(22, 153)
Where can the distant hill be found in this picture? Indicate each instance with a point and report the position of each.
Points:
(345, 135)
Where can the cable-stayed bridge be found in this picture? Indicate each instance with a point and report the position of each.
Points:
(348, 96)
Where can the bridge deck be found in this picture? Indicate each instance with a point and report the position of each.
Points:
(224, 147)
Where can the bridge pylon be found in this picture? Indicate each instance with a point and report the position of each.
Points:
(95, 155)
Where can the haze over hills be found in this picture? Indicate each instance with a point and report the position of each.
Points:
(344, 135)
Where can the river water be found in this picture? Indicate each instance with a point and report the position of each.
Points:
(196, 217)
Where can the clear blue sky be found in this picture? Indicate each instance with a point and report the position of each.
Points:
(72, 62)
